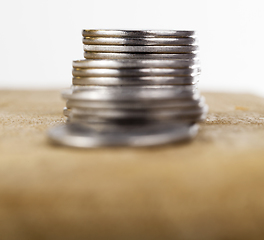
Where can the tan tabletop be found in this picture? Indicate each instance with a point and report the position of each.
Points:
(210, 188)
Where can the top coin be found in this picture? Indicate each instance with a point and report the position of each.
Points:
(136, 33)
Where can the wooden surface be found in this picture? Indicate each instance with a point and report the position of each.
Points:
(210, 188)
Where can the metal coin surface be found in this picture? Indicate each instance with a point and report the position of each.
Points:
(147, 80)
(134, 72)
(140, 49)
(136, 63)
(101, 55)
(136, 33)
(131, 93)
(66, 112)
(139, 41)
(159, 114)
(133, 121)
(186, 104)
(77, 135)
(84, 119)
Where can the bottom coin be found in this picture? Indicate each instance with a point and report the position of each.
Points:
(83, 136)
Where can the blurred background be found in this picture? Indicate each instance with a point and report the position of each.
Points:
(39, 39)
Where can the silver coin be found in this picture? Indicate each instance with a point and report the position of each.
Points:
(133, 121)
(97, 55)
(136, 33)
(131, 93)
(77, 135)
(190, 118)
(184, 104)
(134, 72)
(67, 112)
(140, 49)
(147, 80)
(158, 114)
(139, 41)
(136, 63)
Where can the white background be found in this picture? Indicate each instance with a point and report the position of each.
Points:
(39, 39)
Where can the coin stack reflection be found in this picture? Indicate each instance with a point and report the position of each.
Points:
(134, 88)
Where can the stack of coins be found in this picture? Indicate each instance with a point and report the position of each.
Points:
(134, 88)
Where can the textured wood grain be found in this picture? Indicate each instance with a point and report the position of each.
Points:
(210, 188)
